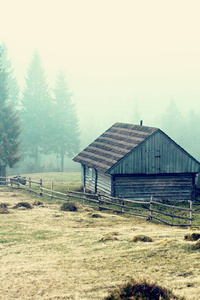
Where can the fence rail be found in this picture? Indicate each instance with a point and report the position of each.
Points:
(138, 207)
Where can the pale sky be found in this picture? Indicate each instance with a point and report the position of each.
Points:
(115, 53)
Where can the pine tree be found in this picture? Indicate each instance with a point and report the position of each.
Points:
(35, 110)
(9, 125)
(13, 88)
(64, 137)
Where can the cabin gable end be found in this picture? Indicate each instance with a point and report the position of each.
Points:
(158, 154)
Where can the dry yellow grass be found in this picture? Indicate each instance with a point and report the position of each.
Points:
(50, 254)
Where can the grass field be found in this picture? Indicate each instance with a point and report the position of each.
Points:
(47, 253)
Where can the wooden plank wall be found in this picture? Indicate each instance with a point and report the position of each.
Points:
(157, 155)
(83, 174)
(99, 183)
(90, 182)
(164, 187)
(103, 183)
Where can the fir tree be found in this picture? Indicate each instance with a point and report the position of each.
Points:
(9, 125)
(64, 136)
(13, 88)
(35, 110)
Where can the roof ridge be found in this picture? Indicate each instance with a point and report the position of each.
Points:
(131, 124)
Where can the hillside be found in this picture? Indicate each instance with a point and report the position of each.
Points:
(47, 253)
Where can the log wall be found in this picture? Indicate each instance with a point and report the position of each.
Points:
(90, 181)
(97, 183)
(103, 183)
(164, 187)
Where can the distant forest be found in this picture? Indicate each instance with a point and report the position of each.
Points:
(47, 117)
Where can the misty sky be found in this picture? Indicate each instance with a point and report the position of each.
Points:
(117, 55)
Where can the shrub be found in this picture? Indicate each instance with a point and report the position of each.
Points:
(192, 237)
(141, 238)
(23, 204)
(141, 290)
(69, 206)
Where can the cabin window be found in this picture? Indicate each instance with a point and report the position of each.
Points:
(90, 174)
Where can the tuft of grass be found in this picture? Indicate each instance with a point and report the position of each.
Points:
(3, 210)
(37, 203)
(141, 238)
(194, 228)
(109, 237)
(41, 235)
(95, 215)
(192, 237)
(141, 290)
(69, 206)
(88, 209)
(195, 246)
(13, 195)
(23, 204)
(3, 205)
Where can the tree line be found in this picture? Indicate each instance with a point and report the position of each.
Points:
(39, 120)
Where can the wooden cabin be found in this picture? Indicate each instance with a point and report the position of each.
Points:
(133, 161)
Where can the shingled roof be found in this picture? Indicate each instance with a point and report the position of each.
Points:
(113, 145)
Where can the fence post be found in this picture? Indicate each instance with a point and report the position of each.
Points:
(172, 215)
(51, 189)
(29, 184)
(190, 212)
(151, 208)
(18, 182)
(41, 193)
(84, 196)
(99, 205)
(123, 205)
(68, 195)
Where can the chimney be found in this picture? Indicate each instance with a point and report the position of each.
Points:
(141, 123)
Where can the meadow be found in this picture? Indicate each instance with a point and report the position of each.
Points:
(47, 253)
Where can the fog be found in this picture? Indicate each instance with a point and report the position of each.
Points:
(124, 60)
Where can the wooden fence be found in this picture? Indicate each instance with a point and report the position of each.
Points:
(177, 214)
